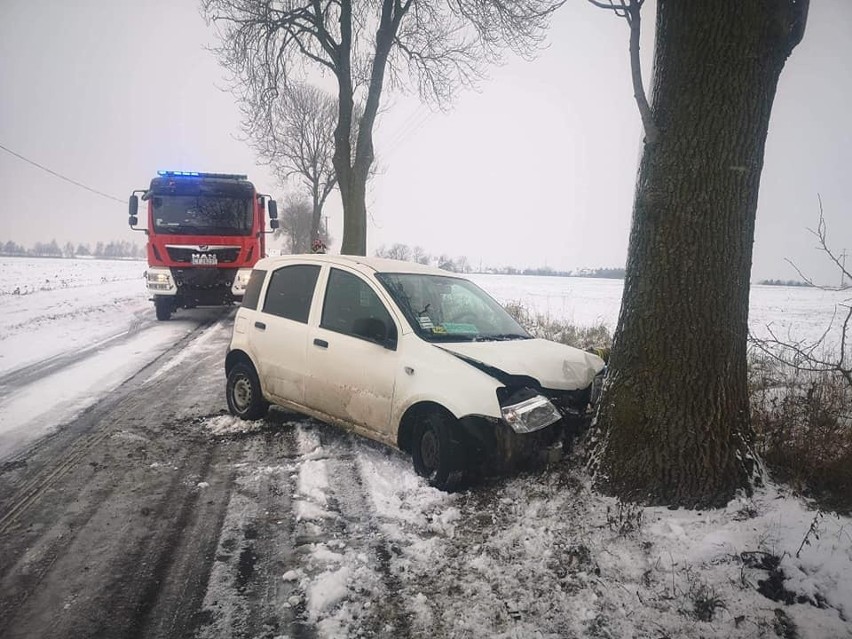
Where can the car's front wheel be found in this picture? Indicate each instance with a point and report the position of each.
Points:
(245, 399)
(436, 452)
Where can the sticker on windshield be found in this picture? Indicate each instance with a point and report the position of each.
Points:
(459, 328)
(425, 322)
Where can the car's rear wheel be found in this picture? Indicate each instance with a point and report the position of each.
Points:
(245, 399)
(436, 452)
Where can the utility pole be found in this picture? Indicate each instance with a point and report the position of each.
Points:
(843, 269)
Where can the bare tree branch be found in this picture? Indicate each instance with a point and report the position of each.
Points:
(294, 135)
(630, 10)
(435, 45)
(810, 356)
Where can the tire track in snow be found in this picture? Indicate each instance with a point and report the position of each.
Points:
(388, 615)
(78, 441)
(21, 377)
(246, 595)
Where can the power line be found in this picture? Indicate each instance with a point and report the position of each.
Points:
(62, 177)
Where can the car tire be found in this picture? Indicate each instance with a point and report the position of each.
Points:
(436, 453)
(242, 390)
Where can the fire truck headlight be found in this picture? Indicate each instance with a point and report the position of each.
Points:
(159, 280)
(241, 281)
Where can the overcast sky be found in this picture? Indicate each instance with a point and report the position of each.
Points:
(536, 168)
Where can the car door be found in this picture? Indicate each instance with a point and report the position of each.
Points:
(352, 356)
(279, 333)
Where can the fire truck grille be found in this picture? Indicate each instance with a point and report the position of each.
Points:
(204, 278)
(183, 255)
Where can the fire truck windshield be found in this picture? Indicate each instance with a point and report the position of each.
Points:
(202, 215)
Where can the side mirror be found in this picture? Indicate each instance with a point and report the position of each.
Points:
(273, 224)
(272, 207)
(133, 208)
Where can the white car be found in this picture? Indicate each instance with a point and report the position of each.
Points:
(409, 355)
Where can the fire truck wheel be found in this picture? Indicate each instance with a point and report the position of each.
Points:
(245, 399)
(164, 308)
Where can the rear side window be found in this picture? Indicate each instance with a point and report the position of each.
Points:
(252, 294)
(290, 292)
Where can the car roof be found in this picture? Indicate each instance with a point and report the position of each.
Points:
(361, 263)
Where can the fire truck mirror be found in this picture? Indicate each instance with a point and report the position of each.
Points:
(133, 220)
(272, 207)
(273, 224)
(133, 206)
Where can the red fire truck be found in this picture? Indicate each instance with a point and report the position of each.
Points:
(205, 232)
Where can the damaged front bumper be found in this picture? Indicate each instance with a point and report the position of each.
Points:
(536, 428)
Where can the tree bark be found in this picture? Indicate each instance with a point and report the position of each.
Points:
(355, 195)
(673, 424)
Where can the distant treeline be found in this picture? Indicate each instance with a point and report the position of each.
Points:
(462, 265)
(785, 283)
(605, 273)
(120, 249)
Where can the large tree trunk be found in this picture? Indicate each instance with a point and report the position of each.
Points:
(673, 425)
(355, 194)
(354, 219)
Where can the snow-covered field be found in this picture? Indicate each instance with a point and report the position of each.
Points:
(795, 312)
(52, 306)
(532, 556)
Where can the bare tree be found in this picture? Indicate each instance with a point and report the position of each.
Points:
(294, 134)
(395, 252)
(438, 45)
(295, 224)
(419, 255)
(816, 356)
(673, 421)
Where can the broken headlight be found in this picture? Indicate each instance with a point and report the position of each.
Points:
(527, 411)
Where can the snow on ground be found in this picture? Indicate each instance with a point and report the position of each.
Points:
(538, 555)
(51, 306)
(542, 556)
(95, 315)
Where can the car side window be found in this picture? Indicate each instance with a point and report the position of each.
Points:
(252, 294)
(351, 307)
(290, 292)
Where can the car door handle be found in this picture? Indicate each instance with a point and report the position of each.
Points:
(260, 325)
(321, 343)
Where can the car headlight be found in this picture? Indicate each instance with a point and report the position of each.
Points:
(530, 414)
(241, 281)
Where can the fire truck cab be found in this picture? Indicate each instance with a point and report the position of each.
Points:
(205, 233)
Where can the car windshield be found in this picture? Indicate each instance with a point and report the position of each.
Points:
(202, 215)
(450, 309)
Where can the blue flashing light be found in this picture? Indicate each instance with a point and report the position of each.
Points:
(178, 173)
(226, 176)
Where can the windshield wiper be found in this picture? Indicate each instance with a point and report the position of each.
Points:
(501, 337)
(451, 337)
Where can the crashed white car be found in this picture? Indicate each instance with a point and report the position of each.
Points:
(409, 355)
